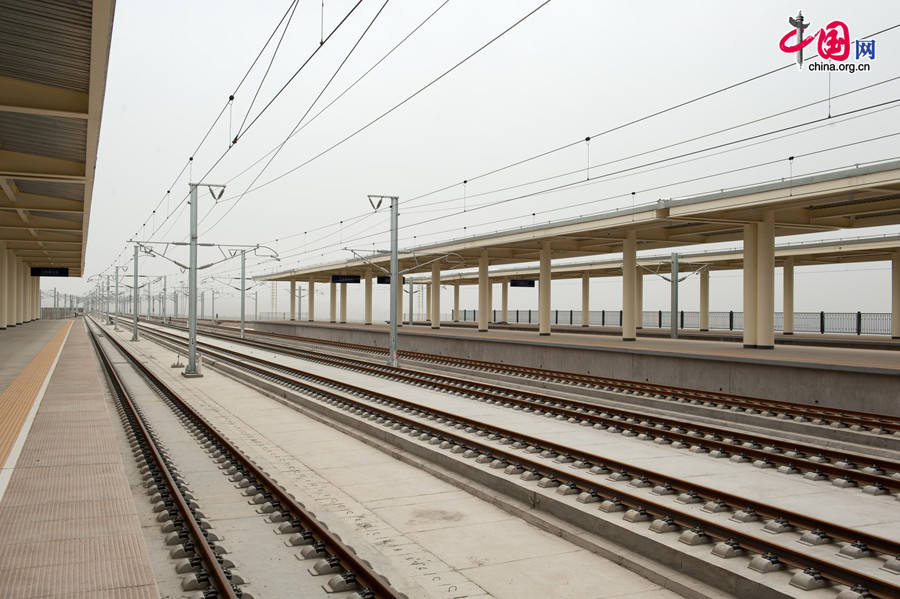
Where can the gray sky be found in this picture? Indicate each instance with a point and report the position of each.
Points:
(573, 69)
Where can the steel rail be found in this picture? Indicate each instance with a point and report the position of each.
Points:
(867, 420)
(216, 574)
(371, 584)
(271, 369)
(794, 558)
(789, 453)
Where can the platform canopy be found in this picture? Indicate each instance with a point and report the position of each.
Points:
(53, 61)
(841, 251)
(864, 196)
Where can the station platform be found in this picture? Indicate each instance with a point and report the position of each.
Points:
(815, 339)
(68, 522)
(852, 379)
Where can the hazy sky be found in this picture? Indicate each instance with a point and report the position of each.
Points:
(573, 69)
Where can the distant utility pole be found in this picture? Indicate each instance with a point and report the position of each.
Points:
(674, 302)
(134, 329)
(375, 201)
(191, 368)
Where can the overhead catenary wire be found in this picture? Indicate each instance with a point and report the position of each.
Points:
(346, 89)
(548, 152)
(402, 102)
(188, 162)
(635, 155)
(297, 72)
(582, 183)
(306, 113)
(643, 168)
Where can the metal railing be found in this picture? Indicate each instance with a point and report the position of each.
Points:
(850, 323)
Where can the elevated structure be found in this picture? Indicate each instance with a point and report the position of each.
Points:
(843, 199)
(53, 63)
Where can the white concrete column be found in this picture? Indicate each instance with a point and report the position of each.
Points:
(490, 300)
(36, 302)
(428, 303)
(293, 300)
(504, 300)
(456, 303)
(9, 285)
(20, 292)
(544, 291)
(29, 295)
(4, 286)
(585, 300)
(788, 302)
(435, 295)
(750, 259)
(765, 283)
(368, 300)
(629, 274)
(639, 298)
(483, 291)
(895, 295)
(704, 299)
(343, 303)
(311, 300)
(332, 314)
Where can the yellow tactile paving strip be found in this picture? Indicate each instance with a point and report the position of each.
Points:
(16, 400)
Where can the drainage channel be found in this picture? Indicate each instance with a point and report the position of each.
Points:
(845, 469)
(814, 571)
(328, 557)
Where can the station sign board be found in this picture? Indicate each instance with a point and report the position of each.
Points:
(49, 271)
(345, 278)
(386, 280)
(521, 282)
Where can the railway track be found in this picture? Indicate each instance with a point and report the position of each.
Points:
(641, 494)
(832, 417)
(846, 469)
(348, 571)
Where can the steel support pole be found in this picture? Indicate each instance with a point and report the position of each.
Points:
(108, 321)
(411, 305)
(704, 299)
(629, 261)
(674, 301)
(243, 288)
(750, 257)
(164, 298)
(293, 300)
(134, 312)
(191, 368)
(544, 291)
(435, 295)
(395, 282)
(788, 303)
